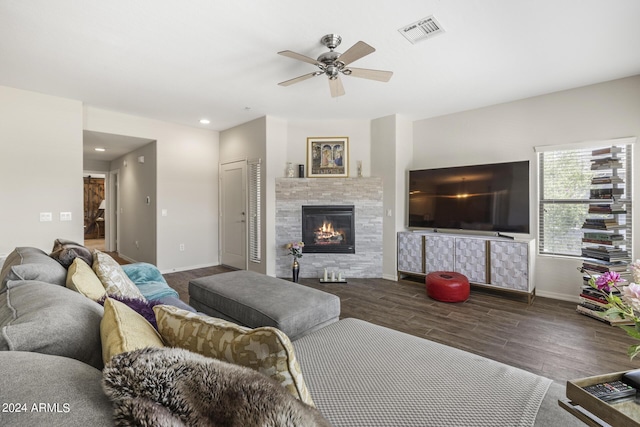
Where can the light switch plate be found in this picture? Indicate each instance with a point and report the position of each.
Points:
(46, 216)
(65, 216)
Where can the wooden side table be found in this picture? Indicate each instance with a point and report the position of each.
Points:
(596, 412)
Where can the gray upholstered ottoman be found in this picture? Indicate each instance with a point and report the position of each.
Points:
(252, 299)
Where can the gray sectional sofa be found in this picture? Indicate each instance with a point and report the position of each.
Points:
(358, 374)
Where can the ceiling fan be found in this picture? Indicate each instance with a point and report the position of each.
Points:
(333, 63)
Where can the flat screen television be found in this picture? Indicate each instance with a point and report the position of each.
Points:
(492, 197)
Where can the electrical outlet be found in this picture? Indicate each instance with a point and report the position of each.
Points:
(181, 247)
(46, 216)
(137, 244)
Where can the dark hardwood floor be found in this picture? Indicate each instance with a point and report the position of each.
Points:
(547, 337)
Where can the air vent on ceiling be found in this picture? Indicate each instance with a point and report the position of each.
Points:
(422, 29)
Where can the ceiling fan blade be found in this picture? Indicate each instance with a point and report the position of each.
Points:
(298, 56)
(336, 87)
(365, 73)
(356, 52)
(298, 79)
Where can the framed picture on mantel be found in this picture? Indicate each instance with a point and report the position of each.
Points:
(328, 157)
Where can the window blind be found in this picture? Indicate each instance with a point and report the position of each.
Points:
(565, 184)
(255, 223)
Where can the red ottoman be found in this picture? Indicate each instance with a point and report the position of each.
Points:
(447, 286)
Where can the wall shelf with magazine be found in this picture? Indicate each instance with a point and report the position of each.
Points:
(607, 227)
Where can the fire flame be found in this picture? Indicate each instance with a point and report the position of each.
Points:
(327, 235)
(327, 227)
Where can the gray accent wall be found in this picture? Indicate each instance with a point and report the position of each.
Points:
(138, 220)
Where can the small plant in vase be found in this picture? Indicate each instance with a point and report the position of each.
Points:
(295, 249)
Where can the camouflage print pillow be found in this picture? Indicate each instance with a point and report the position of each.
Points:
(113, 277)
(266, 350)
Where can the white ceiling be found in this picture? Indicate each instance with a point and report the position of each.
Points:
(180, 61)
(116, 145)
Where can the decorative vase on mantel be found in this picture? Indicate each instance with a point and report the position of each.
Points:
(295, 270)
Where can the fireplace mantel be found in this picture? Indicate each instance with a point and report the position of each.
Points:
(365, 194)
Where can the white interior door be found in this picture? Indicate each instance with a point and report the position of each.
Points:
(233, 215)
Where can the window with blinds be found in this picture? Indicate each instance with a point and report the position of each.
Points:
(566, 181)
(255, 240)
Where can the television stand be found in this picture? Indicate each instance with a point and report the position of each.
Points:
(501, 263)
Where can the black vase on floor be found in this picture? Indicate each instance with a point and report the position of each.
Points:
(295, 270)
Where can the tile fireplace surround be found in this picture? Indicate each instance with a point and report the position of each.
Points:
(365, 194)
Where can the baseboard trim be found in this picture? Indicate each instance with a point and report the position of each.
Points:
(393, 277)
(126, 258)
(555, 295)
(191, 267)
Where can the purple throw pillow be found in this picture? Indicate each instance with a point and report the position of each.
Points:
(143, 308)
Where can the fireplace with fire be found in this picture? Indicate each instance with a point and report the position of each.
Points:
(328, 229)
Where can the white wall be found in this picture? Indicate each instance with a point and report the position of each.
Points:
(187, 185)
(96, 165)
(358, 131)
(391, 156)
(508, 132)
(248, 141)
(383, 164)
(40, 169)
(277, 133)
(287, 142)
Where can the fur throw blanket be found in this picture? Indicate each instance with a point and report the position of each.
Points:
(175, 387)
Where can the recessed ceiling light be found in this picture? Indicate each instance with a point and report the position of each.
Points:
(100, 149)
(205, 121)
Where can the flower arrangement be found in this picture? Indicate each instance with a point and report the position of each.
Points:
(623, 301)
(635, 270)
(295, 248)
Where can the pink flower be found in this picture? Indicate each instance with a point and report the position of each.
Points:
(635, 270)
(631, 295)
(608, 279)
(295, 248)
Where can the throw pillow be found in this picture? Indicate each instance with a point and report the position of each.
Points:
(149, 280)
(172, 386)
(122, 329)
(65, 251)
(43, 318)
(82, 279)
(26, 263)
(113, 278)
(266, 350)
(143, 307)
